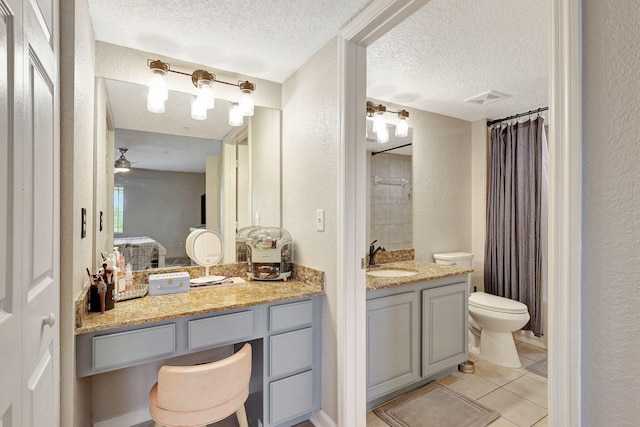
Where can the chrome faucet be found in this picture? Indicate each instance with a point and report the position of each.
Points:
(372, 253)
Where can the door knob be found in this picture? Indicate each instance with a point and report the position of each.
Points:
(49, 320)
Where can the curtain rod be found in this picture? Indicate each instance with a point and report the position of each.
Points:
(373, 153)
(528, 113)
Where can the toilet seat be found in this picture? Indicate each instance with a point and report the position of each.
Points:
(496, 303)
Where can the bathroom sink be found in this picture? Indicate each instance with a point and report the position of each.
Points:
(391, 273)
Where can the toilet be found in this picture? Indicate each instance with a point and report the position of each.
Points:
(492, 319)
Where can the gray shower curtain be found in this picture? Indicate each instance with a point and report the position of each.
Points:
(513, 256)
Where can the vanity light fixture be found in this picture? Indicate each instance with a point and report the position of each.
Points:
(402, 128)
(204, 99)
(376, 113)
(235, 114)
(122, 164)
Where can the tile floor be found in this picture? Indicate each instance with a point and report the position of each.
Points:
(519, 395)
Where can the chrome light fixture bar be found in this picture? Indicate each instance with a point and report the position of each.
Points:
(376, 113)
(204, 99)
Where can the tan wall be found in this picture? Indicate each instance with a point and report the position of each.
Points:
(479, 162)
(76, 192)
(610, 213)
(310, 141)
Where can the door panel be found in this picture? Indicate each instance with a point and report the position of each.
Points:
(42, 177)
(40, 387)
(39, 217)
(10, 296)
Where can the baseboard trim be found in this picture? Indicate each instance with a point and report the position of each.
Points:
(320, 418)
(126, 420)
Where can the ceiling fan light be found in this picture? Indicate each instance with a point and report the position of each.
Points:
(122, 164)
(235, 114)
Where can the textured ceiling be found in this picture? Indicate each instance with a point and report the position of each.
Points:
(266, 39)
(452, 50)
(447, 52)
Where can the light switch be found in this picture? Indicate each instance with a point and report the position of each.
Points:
(320, 220)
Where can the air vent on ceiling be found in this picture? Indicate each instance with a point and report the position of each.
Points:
(487, 97)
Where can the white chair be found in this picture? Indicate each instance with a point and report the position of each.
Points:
(202, 394)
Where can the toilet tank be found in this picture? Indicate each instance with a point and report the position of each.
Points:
(462, 259)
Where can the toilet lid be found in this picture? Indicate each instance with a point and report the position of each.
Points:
(496, 303)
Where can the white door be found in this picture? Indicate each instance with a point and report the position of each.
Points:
(29, 237)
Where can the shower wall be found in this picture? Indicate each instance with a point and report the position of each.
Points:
(390, 209)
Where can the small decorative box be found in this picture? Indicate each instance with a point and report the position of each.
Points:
(168, 283)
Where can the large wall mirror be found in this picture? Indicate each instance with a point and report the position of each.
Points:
(185, 174)
(389, 190)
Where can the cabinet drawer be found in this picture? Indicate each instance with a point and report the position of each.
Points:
(218, 330)
(290, 352)
(291, 397)
(125, 347)
(292, 315)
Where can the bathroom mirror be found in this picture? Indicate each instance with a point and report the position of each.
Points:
(184, 174)
(389, 190)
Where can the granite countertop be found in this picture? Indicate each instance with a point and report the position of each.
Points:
(426, 271)
(198, 301)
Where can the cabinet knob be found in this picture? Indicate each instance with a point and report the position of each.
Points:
(49, 320)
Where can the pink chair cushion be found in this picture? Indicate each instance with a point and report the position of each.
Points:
(201, 394)
(193, 418)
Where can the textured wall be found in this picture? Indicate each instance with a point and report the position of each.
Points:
(441, 184)
(310, 137)
(76, 192)
(611, 213)
(479, 162)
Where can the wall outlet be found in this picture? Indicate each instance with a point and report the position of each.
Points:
(320, 220)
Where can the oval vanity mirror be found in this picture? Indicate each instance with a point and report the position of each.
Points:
(205, 248)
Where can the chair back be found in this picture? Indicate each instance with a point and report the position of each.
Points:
(199, 387)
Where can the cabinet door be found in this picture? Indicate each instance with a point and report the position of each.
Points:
(393, 343)
(445, 323)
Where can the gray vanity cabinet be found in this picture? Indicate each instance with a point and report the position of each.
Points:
(286, 338)
(445, 324)
(393, 343)
(293, 362)
(415, 332)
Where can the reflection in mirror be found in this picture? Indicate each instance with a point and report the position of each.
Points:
(389, 190)
(180, 167)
